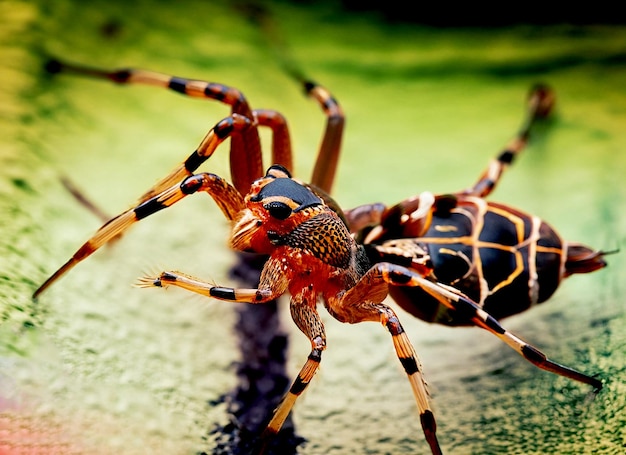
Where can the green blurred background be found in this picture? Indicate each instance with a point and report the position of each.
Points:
(97, 366)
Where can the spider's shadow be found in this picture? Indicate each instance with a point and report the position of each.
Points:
(261, 373)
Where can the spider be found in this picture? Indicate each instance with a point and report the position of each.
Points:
(452, 259)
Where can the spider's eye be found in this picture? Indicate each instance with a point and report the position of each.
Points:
(278, 210)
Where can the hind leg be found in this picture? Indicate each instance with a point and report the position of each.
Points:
(540, 103)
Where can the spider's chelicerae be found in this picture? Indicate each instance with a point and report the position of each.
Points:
(454, 259)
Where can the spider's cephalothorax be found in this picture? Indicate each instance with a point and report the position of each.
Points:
(310, 244)
(283, 214)
(453, 259)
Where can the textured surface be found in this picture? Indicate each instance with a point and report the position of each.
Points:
(97, 366)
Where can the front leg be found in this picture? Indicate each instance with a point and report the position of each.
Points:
(272, 285)
(166, 279)
(225, 196)
(303, 310)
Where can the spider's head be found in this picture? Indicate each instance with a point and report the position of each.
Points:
(275, 206)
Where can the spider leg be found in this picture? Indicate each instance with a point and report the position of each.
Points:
(281, 141)
(245, 155)
(84, 200)
(328, 156)
(409, 218)
(364, 216)
(232, 127)
(194, 88)
(397, 275)
(226, 196)
(272, 285)
(306, 317)
(178, 279)
(330, 147)
(362, 303)
(540, 103)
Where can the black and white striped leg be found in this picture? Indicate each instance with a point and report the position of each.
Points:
(226, 196)
(360, 304)
(306, 317)
(539, 105)
(272, 285)
(178, 279)
(229, 127)
(412, 367)
(400, 276)
(245, 153)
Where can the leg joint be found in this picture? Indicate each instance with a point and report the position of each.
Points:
(533, 355)
(393, 325)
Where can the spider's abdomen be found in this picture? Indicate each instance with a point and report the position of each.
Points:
(501, 258)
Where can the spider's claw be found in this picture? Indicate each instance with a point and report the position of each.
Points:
(148, 282)
(145, 282)
(160, 281)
